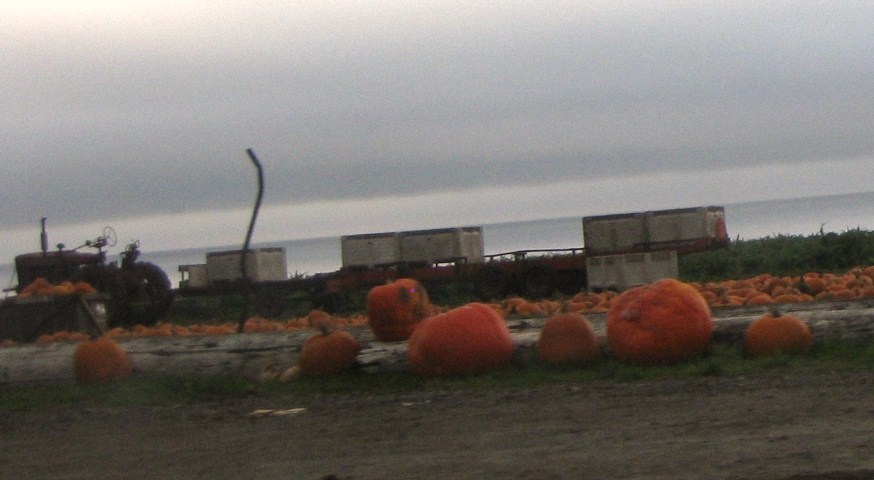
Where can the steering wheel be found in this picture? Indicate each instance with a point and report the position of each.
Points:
(110, 236)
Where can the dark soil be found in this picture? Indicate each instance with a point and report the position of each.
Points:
(769, 427)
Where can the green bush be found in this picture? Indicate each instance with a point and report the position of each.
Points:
(781, 255)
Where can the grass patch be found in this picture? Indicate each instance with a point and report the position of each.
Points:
(721, 361)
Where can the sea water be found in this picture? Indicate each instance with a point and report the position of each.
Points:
(751, 220)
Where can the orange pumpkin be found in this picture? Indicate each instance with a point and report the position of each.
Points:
(760, 299)
(567, 338)
(774, 283)
(843, 294)
(466, 340)
(530, 309)
(394, 309)
(328, 353)
(775, 333)
(788, 298)
(663, 322)
(100, 361)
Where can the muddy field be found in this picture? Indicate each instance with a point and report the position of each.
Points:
(776, 427)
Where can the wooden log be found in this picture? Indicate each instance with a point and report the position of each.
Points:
(235, 354)
(248, 354)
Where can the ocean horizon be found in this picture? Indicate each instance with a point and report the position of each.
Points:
(744, 221)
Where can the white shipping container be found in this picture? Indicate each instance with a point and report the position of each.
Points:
(654, 230)
(681, 225)
(262, 265)
(628, 270)
(444, 245)
(193, 276)
(613, 234)
(370, 249)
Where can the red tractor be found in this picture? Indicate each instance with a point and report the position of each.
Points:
(139, 292)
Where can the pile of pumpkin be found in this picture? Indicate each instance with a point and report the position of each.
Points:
(857, 283)
(255, 324)
(313, 320)
(43, 288)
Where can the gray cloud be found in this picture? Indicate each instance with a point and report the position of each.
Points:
(112, 118)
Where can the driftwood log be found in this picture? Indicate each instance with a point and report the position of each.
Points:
(248, 354)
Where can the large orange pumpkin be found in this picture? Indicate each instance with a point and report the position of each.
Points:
(567, 338)
(328, 353)
(660, 323)
(100, 361)
(394, 309)
(774, 333)
(466, 340)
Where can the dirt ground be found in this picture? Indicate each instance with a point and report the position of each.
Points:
(792, 427)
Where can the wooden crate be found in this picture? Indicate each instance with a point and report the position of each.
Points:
(25, 319)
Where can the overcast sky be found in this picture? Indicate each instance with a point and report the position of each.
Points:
(374, 116)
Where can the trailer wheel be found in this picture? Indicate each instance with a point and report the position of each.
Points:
(491, 283)
(539, 282)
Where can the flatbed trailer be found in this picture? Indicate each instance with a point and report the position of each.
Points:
(534, 273)
(448, 256)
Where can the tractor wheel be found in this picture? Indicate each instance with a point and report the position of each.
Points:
(149, 293)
